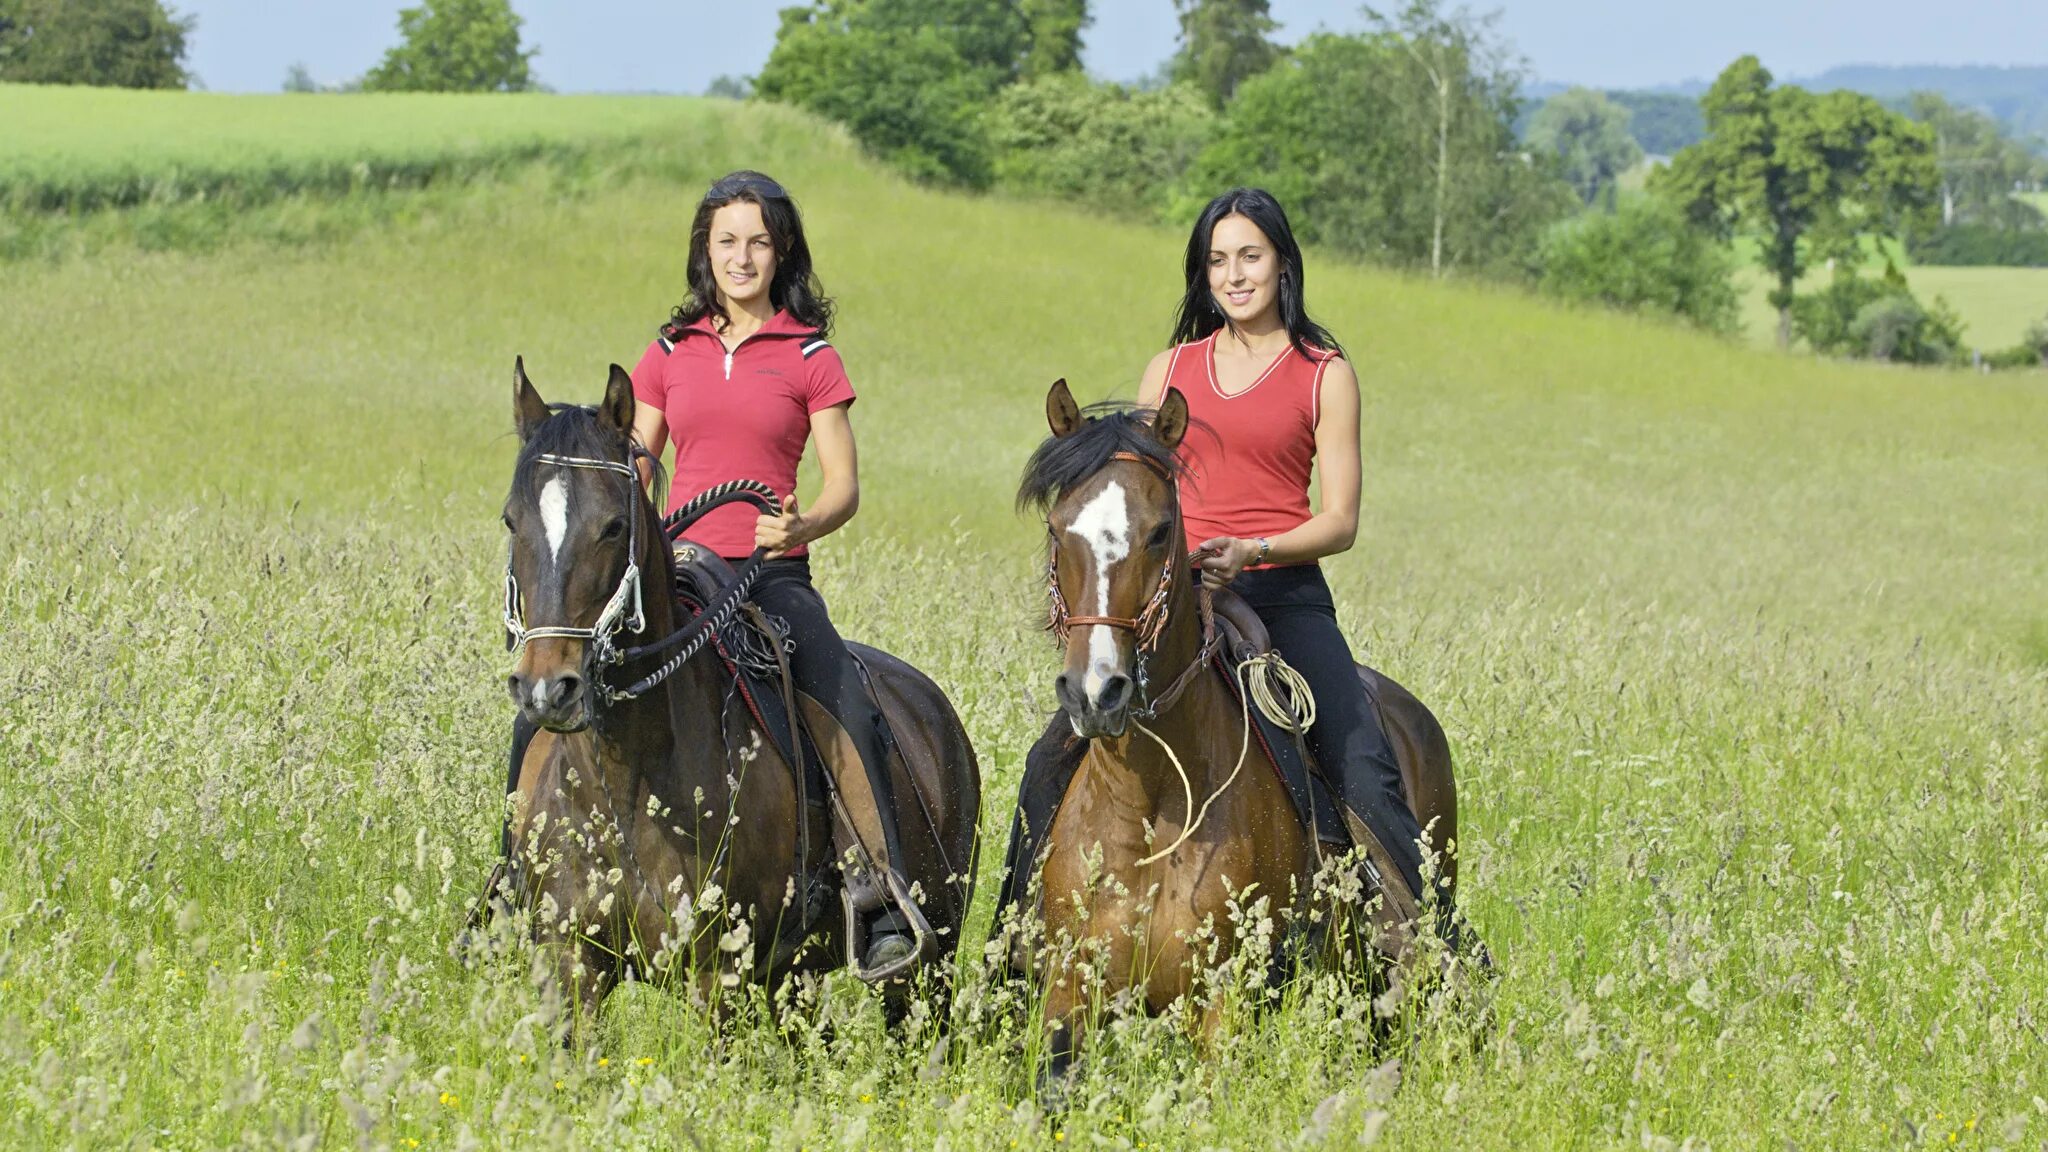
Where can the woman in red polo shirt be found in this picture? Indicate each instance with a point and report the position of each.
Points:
(1273, 397)
(739, 379)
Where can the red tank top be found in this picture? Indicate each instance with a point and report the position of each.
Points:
(1248, 455)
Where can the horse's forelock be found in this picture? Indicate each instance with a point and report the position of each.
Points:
(1109, 429)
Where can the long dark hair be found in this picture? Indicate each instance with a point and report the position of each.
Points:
(1199, 313)
(794, 290)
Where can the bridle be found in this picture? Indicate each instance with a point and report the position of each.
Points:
(1150, 622)
(614, 616)
(623, 611)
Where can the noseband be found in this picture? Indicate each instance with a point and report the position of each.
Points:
(1148, 624)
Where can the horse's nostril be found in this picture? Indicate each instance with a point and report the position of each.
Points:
(1116, 692)
(516, 685)
(566, 689)
(1063, 691)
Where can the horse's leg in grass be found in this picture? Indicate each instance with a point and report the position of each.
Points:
(1064, 1006)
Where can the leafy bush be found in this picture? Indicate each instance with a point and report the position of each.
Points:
(1644, 257)
(1878, 320)
(1982, 245)
(1062, 135)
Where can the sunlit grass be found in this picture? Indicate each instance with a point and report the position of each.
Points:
(1744, 658)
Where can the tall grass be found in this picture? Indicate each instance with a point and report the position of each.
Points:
(1744, 660)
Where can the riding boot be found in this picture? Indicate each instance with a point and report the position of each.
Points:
(885, 929)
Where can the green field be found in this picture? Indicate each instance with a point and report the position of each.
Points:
(78, 149)
(1744, 659)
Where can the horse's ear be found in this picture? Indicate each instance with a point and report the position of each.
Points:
(1170, 423)
(528, 409)
(616, 412)
(1060, 410)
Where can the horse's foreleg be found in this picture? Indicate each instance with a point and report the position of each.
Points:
(1065, 1007)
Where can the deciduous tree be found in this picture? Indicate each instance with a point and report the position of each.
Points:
(456, 46)
(1222, 44)
(1055, 36)
(1589, 136)
(106, 43)
(1808, 176)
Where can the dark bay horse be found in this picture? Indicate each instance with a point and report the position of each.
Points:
(1164, 824)
(655, 827)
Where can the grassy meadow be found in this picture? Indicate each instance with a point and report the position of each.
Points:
(1744, 659)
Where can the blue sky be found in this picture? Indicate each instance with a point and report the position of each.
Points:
(679, 45)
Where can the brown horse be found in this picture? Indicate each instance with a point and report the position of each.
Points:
(655, 827)
(1138, 685)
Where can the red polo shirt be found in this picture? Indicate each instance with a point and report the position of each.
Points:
(739, 415)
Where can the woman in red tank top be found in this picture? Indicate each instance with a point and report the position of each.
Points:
(1271, 397)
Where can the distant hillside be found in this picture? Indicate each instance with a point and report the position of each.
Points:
(2017, 97)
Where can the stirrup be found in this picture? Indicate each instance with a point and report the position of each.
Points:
(857, 932)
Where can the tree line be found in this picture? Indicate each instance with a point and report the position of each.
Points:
(1407, 143)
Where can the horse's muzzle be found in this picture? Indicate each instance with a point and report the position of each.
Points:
(558, 703)
(1104, 712)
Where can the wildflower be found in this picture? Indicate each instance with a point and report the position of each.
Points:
(604, 1061)
(450, 1099)
(1060, 1137)
(865, 1098)
(644, 1061)
(558, 1085)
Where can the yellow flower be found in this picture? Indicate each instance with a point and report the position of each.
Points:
(1059, 1137)
(866, 1099)
(644, 1061)
(450, 1099)
(522, 1057)
(558, 1084)
(1970, 1124)
(604, 1061)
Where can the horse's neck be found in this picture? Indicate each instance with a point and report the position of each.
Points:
(646, 744)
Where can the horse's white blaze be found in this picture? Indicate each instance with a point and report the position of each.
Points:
(554, 514)
(1104, 524)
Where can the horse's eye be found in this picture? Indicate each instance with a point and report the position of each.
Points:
(507, 518)
(1158, 538)
(614, 530)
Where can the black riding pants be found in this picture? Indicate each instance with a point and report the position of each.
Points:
(1347, 740)
(826, 671)
(821, 666)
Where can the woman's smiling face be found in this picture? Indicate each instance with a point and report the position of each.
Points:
(742, 252)
(1244, 274)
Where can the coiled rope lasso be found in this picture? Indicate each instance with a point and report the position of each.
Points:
(1282, 696)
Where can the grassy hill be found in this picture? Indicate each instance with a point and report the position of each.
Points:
(1744, 660)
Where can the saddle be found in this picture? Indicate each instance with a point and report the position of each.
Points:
(835, 833)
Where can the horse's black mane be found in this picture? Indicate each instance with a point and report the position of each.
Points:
(1108, 428)
(573, 430)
